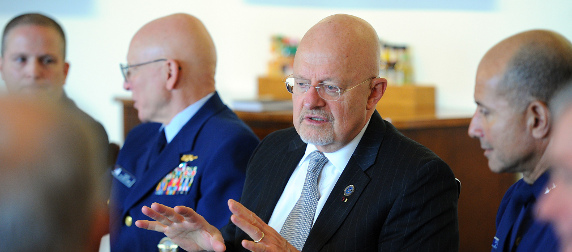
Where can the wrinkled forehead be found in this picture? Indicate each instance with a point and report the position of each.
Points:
(323, 65)
(323, 56)
(34, 37)
(340, 43)
(141, 49)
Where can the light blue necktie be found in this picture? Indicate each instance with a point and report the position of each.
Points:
(299, 222)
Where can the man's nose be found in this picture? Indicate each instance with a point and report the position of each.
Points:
(313, 99)
(126, 85)
(475, 130)
(34, 68)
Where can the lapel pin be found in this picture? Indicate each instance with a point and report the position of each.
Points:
(188, 158)
(349, 190)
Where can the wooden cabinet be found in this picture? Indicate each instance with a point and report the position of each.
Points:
(481, 191)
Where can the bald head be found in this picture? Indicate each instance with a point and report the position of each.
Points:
(180, 37)
(350, 39)
(341, 51)
(529, 66)
(48, 192)
(174, 66)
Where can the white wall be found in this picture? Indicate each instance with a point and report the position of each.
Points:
(447, 45)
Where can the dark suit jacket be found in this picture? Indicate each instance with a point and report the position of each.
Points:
(222, 145)
(405, 196)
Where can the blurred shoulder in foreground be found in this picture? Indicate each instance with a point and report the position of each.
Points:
(49, 201)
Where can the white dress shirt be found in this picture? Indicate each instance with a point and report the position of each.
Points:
(330, 174)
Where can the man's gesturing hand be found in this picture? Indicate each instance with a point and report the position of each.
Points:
(183, 226)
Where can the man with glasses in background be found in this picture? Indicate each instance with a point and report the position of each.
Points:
(342, 179)
(191, 148)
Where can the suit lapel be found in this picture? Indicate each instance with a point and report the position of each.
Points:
(170, 157)
(283, 169)
(338, 206)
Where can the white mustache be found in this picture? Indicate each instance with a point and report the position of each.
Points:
(316, 112)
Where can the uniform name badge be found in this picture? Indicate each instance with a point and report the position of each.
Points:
(178, 181)
(123, 176)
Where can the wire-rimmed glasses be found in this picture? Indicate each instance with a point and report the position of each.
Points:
(125, 67)
(328, 91)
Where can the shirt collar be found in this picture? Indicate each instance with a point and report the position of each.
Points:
(177, 123)
(340, 158)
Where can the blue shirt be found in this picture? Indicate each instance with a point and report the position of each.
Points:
(177, 123)
(517, 227)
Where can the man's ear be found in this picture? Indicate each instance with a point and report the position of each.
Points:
(66, 71)
(173, 71)
(377, 90)
(538, 119)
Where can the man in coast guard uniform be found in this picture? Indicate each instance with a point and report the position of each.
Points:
(516, 81)
(193, 150)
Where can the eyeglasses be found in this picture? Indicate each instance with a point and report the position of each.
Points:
(125, 68)
(327, 91)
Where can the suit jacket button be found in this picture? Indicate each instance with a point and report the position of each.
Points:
(128, 221)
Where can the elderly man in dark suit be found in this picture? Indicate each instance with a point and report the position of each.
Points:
(342, 179)
(193, 150)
